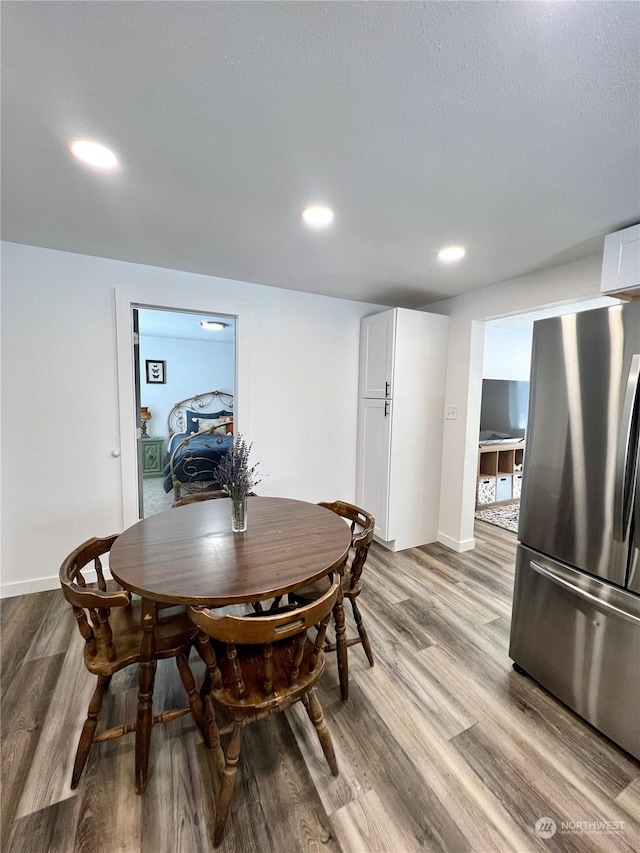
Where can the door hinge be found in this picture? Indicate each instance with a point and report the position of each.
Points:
(136, 339)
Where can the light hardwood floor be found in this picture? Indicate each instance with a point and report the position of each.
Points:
(441, 746)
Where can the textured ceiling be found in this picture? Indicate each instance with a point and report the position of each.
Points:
(509, 127)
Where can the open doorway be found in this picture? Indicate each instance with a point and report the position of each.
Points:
(503, 420)
(176, 357)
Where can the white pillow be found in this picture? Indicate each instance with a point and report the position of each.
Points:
(216, 426)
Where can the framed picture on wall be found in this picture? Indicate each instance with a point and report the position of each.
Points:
(156, 372)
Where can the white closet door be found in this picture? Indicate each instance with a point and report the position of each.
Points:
(374, 454)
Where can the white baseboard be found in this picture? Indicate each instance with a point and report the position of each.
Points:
(8, 590)
(458, 545)
(390, 546)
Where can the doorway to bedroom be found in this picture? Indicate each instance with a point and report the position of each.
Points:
(177, 355)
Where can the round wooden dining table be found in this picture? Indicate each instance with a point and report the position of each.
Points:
(189, 555)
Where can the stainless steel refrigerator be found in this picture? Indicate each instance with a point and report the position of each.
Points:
(576, 610)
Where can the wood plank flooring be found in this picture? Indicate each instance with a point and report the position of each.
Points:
(441, 746)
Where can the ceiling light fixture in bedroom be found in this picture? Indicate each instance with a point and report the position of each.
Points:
(93, 154)
(451, 253)
(213, 325)
(318, 216)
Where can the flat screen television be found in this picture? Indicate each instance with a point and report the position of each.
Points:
(503, 413)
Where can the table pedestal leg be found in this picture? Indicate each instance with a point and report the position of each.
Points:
(341, 646)
(144, 721)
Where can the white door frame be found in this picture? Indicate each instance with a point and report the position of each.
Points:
(125, 300)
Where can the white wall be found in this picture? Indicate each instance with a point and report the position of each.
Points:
(297, 389)
(192, 367)
(507, 354)
(570, 282)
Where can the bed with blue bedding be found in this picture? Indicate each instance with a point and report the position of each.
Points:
(200, 435)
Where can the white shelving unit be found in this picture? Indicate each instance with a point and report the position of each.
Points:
(499, 473)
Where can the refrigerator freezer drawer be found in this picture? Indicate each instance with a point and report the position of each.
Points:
(579, 638)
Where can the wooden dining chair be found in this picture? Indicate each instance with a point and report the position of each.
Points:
(110, 624)
(196, 497)
(257, 666)
(362, 524)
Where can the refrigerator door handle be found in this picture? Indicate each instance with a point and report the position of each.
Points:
(621, 507)
(600, 603)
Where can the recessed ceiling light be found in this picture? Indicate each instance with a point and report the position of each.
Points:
(451, 253)
(93, 154)
(213, 325)
(317, 216)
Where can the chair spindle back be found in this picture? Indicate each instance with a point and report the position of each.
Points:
(97, 603)
(268, 630)
(362, 525)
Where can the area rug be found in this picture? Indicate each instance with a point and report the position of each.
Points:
(154, 497)
(505, 516)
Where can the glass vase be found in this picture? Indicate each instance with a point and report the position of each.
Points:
(239, 514)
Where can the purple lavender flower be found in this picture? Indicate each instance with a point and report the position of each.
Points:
(234, 473)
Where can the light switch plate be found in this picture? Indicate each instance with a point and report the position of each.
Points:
(451, 413)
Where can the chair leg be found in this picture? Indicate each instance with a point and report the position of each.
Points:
(314, 710)
(205, 688)
(227, 783)
(89, 729)
(364, 639)
(195, 702)
(341, 646)
(214, 735)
